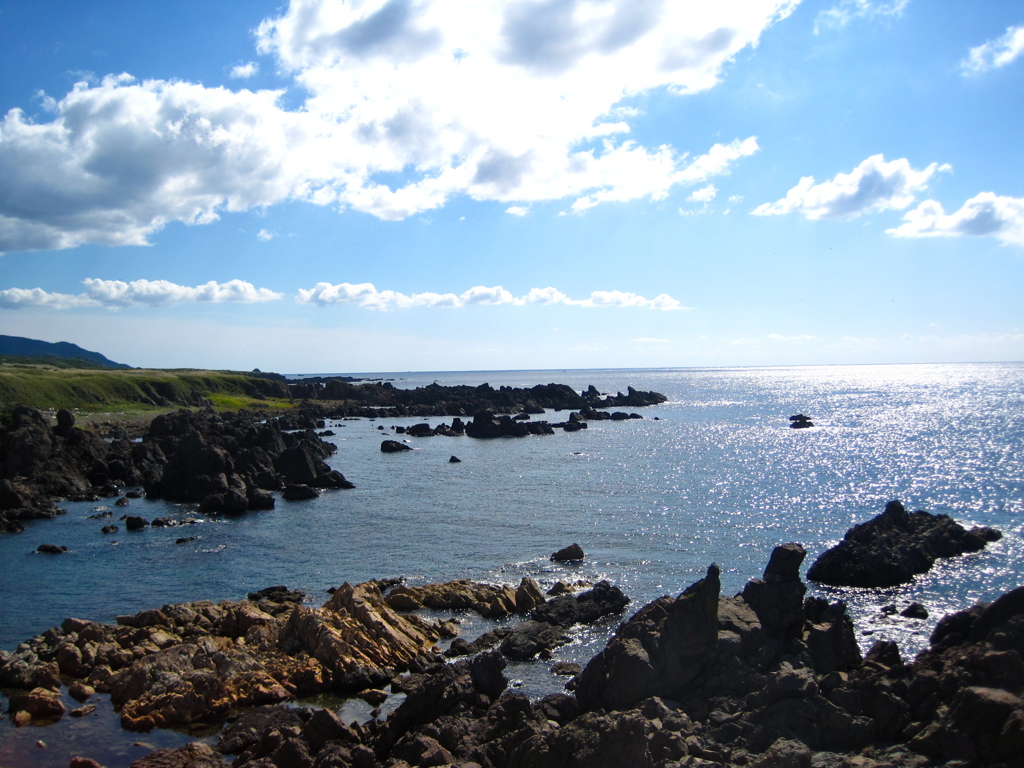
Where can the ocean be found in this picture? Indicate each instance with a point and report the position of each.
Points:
(713, 475)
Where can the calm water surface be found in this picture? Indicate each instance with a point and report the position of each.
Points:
(717, 477)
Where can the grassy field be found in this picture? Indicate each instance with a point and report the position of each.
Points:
(53, 385)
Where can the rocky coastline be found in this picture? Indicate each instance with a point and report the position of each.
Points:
(766, 677)
(232, 463)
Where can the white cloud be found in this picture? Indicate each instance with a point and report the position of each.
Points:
(265, 235)
(117, 293)
(507, 101)
(874, 185)
(703, 195)
(543, 296)
(245, 71)
(995, 53)
(19, 298)
(366, 295)
(123, 159)
(778, 337)
(848, 10)
(984, 214)
(517, 210)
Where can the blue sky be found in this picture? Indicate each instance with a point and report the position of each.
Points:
(382, 185)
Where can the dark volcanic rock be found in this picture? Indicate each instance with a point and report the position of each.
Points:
(892, 548)
(604, 599)
(661, 651)
(299, 493)
(51, 549)
(572, 553)
(800, 421)
(699, 680)
(393, 446)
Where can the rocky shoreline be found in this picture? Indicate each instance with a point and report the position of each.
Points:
(232, 463)
(767, 677)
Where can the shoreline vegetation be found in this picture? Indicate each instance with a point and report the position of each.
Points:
(53, 384)
(768, 678)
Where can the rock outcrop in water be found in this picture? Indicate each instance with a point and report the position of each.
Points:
(765, 678)
(895, 546)
(230, 463)
(344, 398)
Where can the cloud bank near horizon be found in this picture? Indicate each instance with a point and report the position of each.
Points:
(506, 101)
(117, 294)
(137, 293)
(367, 295)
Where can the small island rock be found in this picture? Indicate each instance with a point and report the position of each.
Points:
(572, 553)
(892, 548)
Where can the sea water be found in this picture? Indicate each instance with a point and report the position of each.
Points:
(713, 475)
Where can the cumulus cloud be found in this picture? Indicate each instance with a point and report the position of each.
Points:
(847, 11)
(122, 159)
(995, 53)
(986, 214)
(367, 295)
(245, 71)
(117, 293)
(410, 103)
(19, 298)
(874, 185)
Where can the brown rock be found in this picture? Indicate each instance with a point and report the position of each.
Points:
(81, 691)
(40, 703)
(194, 755)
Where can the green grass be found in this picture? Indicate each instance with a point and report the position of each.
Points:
(103, 390)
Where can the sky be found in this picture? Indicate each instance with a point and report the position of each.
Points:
(309, 186)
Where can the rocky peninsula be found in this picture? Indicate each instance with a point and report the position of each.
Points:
(767, 677)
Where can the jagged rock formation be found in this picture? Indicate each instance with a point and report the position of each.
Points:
(766, 678)
(228, 464)
(895, 546)
(194, 662)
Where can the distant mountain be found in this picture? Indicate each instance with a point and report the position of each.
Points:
(17, 346)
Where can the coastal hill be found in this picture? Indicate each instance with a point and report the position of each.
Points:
(21, 347)
(38, 383)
